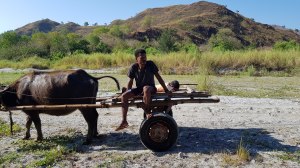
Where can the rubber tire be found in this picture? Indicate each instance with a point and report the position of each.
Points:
(167, 121)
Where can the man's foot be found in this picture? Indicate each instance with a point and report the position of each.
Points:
(123, 125)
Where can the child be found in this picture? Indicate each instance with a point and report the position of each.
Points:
(172, 86)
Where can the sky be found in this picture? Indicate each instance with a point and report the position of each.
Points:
(17, 13)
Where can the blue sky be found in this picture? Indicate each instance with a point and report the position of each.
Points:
(17, 13)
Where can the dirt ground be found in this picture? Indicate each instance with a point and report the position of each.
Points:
(209, 135)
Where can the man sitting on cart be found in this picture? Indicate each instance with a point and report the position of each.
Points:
(143, 73)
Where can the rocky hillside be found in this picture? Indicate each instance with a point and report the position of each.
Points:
(196, 22)
(45, 25)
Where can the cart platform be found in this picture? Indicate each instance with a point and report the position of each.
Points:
(159, 99)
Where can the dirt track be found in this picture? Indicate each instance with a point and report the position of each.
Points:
(208, 133)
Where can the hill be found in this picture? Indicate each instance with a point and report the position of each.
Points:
(196, 22)
(45, 25)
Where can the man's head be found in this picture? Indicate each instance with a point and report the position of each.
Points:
(175, 85)
(140, 56)
(139, 52)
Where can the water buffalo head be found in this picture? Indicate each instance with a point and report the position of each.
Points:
(8, 97)
(1, 93)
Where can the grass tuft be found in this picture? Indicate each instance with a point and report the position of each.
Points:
(242, 156)
(5, 128)
(242, 153)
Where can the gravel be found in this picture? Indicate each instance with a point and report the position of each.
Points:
(209, 134)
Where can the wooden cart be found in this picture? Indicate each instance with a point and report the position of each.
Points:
(158, 133)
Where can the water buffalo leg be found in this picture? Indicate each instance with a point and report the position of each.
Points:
(91, 117)
(28, 125)
(37, 122)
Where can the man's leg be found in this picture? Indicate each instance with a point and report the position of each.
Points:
(148, 92)
(124, 99)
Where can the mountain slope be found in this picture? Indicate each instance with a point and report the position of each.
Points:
(196, 22)
(45, 25)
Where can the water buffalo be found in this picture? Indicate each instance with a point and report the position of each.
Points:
(53, 88)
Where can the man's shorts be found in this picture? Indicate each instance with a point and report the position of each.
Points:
(139, 90)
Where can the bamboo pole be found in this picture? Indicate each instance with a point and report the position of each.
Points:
(111, 105)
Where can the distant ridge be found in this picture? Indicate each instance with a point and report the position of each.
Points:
(196, 22)
(45, 25)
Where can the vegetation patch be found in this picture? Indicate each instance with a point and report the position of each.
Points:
(242, 156)
(47, 152)
(5, 128)
(292, 156)
(9, 158)
(112, 159)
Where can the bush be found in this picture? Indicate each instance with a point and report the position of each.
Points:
(103, 48)
(116, 31)
(286, 45)
(57, 55)
(167, 41)
(152, 51)
(190, 48)
(224, 40)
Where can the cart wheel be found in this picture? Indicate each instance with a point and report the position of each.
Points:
(159, 133)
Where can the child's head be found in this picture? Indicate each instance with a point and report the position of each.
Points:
(175, 85)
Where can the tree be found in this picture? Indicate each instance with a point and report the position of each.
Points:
(58, 45)
(86, 23)
(14, 46)
(93, 41)
(103, 48)
(224, 40)
(116, 31)
(9, 39)
(74, 43)
(167, 41)
(41, 44)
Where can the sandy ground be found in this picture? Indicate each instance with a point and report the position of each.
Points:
(209, 135)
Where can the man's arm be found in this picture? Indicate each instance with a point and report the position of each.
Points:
(161, 81)
(129, 84)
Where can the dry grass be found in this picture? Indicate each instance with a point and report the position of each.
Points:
(177, 63)
(242, 156)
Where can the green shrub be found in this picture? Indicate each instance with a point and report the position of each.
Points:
(167, 41)
(286, 45)
(152, 51)
(103, 48)
(224, 40)
(116, 31)
(190, 48)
